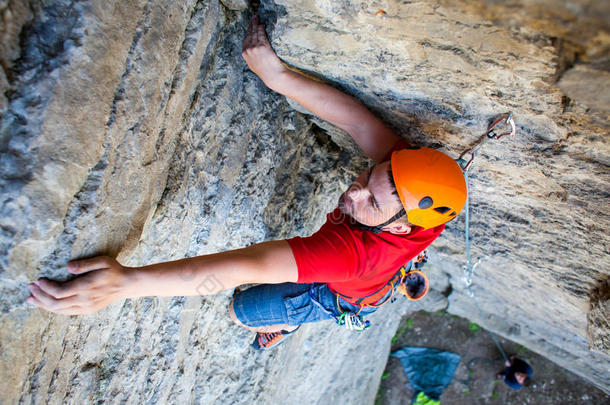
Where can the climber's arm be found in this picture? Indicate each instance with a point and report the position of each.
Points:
(102, 280)
(370, 133)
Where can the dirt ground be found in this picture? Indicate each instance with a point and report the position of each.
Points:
(474, 381)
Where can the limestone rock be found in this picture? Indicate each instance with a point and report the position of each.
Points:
(588, 86)
(134, 128)
(437, 71)
(235, 4)
(598, 326)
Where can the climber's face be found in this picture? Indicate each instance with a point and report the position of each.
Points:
(520, 377)
(371, 199)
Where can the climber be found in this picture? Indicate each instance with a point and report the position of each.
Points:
(390, 214)
(516, 374)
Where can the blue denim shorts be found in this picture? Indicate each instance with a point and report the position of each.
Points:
(289, 303)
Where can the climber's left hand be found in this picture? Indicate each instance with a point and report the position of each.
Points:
(100, 281)
(259, 55)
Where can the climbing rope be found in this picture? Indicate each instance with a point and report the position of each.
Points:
(469, 268)
(494, 131)
(493, 336)
(506, 119)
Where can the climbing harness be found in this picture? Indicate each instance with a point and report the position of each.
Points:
(412, 283)
(373, 299)
(494, 131)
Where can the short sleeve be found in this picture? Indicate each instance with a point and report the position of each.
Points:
(330, 255)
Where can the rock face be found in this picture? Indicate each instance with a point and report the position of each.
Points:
(134, 128)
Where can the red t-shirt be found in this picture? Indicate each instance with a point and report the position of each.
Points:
(354, 262)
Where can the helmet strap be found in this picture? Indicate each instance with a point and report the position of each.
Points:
(379, 228)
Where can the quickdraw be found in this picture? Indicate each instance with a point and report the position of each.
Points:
(503, 120)
(353, 321)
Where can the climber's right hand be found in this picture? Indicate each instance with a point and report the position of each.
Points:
(259, 55)
(100, 281)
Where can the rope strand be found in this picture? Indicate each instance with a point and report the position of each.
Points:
(469, 267)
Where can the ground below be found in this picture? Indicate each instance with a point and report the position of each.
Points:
(474, 381)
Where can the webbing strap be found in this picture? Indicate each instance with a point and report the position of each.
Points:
(391, 282)
(379, 228)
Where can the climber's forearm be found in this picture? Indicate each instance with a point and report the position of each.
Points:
(193, 276)
(338, 108)
(102, 280)
(269, 262)
(322, 100)
(374, 138)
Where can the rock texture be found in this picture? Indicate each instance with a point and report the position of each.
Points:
(438, 71)
(134, 128)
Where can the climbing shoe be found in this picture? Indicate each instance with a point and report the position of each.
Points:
(266, 341)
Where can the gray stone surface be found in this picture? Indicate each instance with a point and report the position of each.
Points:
(588, 86)
(134, 128)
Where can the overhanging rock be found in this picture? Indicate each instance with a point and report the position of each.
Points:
(134, 128)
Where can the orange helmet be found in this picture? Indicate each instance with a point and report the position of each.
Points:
(430, 185)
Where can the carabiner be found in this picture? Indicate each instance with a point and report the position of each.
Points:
(466, 164)
(508, 120)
